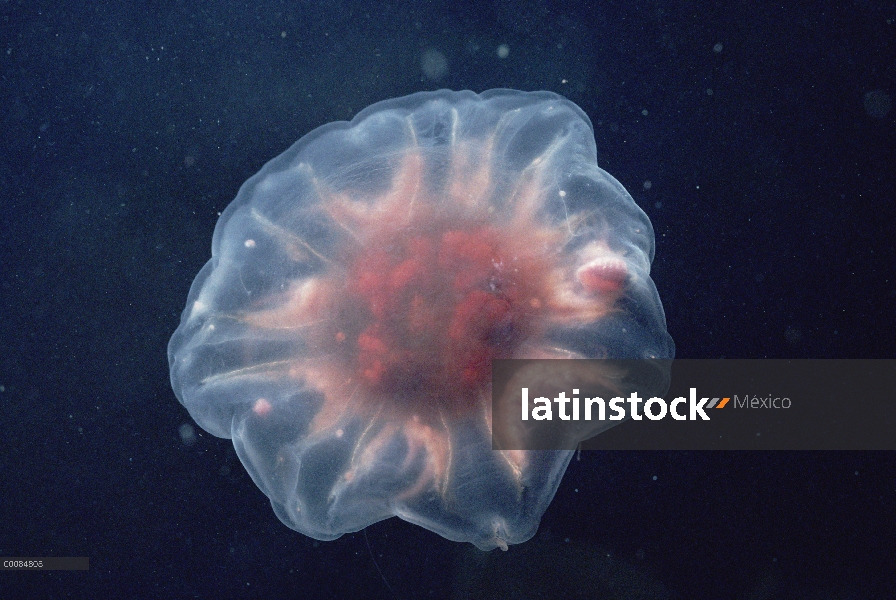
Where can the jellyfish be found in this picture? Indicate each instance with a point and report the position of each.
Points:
(362, 283)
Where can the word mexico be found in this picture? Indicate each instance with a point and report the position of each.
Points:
(654, 408)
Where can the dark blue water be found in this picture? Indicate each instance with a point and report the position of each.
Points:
(759, 139)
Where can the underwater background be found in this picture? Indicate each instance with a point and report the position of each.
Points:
(758, 137)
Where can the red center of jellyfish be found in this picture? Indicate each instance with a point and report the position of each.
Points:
(428, 312)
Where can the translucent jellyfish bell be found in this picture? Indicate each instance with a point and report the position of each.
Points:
(361, 284)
